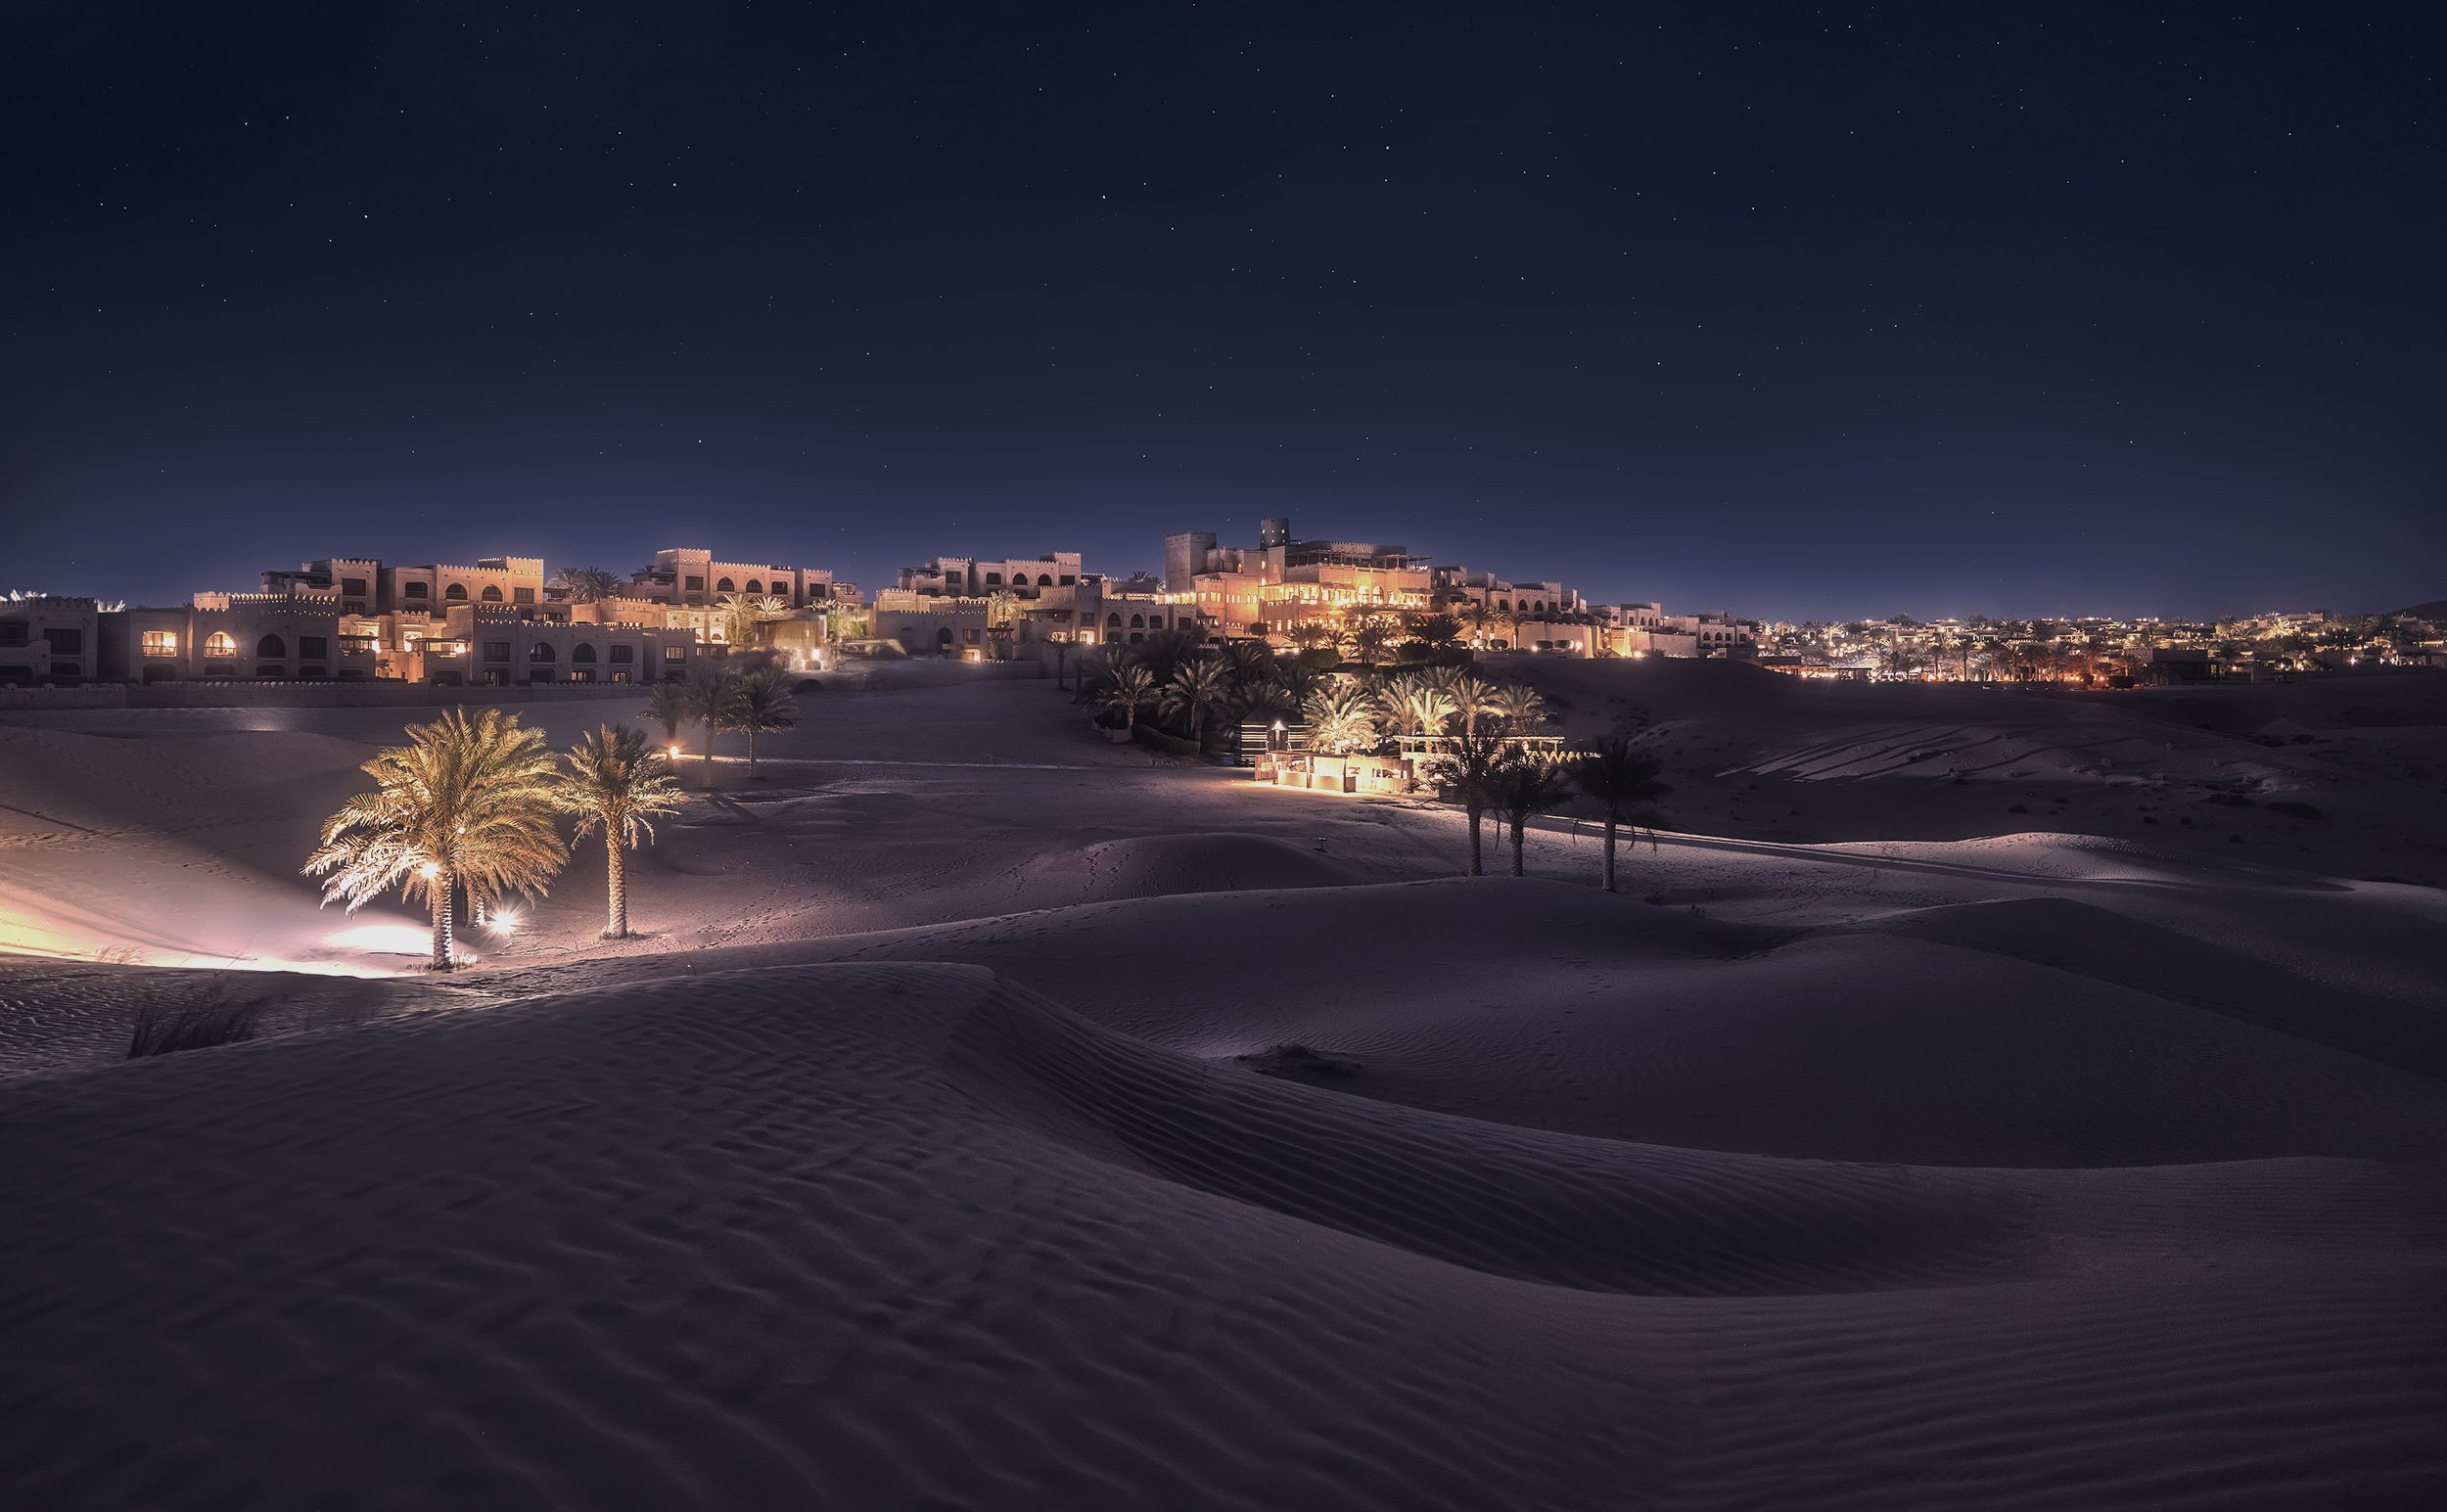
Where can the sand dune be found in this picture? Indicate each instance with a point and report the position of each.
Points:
(1022, 1131)
(906, 1236)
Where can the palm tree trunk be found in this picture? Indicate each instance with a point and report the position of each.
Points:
(616, 928)
(441, 889)
(1478, 865)
(1516, 845)
(752, 751)
(1609, 862)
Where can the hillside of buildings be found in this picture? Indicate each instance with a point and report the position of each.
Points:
(986, 1104)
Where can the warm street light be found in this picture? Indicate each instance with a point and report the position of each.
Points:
(428, 871)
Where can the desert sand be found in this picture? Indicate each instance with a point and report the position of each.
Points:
(991, 1116)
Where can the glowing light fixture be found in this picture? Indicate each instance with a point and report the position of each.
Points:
(428, 871)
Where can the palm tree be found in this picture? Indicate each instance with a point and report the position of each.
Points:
(1309, 634)
(743, 613)
(667, 704)
(1468, 767)
(1519, 706)
(1251, 662)
(1131, 689)
(616, 783)
(766, 705)
(1522, 784)
(1002, 608)
(1198, 685)
(585, 584)
(1367, 635)
(1623, 778)
(713, 701)
(1437, 632)
(1487, 623)
(1341, 719)
(467, 803)
(1417, 704)
(1473, 696)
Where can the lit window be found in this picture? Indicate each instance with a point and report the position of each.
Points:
(221, 643)
(160, 643)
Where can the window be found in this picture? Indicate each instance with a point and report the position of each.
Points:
(723, 587)
(269, 671)
(160, 643)
(456, 593)
(541, 650)
(622, 656)
(313, 646)
(313, 671)
(755, 586)
(416, 590)
(1138, 622)
(65, 643)
(1069, 581)
(970, 636)
(993, 579)
(523, 595)
(619, 674)
(696, 584)
(220, 644)
(1045, 579)
(1113, 621)
(674, 653)
(493, 594)
(271, 646)
(354, 587)
(583, 653)
(13, 633)
(497, 651)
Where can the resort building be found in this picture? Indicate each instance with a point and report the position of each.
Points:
(688, 575)
(45, 638)
(1026, 577)
(293, 633)
(1262, 591)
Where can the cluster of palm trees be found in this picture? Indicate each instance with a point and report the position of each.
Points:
(761, 702)
(1487, 773)
(468, 808)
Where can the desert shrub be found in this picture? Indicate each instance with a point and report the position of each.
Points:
(2297, 808)
(216, 1015)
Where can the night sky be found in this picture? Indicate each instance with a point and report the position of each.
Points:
(1802, 311)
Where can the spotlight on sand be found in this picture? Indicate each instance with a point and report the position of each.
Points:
(504, 923)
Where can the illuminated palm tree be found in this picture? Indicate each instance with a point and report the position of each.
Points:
(1437, 632)
(1473, 697)
(742, 613)
(615, 784)
(467, 803)
(1197, 685)
(1130, 689)
(765, 705)
(1623, 778)
(1519, 706)
(1341, 719)
(1003, 609)
(1417, 704)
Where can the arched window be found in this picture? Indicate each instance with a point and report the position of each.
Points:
(723, 585)
(456, 592)
(492, 595)
(541, 650)
(755, 586)
(1504, 604)
(271, 646)
(586, 653)
(1113, 621)
(1045, 579)
(1138, 622)
(220, 644)
(942, 637)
